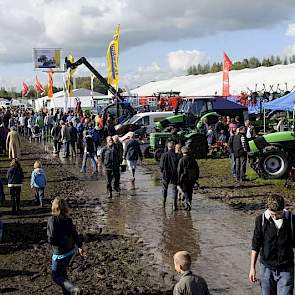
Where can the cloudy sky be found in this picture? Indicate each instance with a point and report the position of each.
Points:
(159, 38)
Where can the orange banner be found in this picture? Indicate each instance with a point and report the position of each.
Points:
(50, 84)
(227, 66)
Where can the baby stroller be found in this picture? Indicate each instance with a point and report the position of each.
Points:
(36, 134)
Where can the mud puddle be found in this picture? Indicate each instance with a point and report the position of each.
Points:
(218, 237)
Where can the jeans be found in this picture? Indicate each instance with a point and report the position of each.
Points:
(110, 174)
(67, 148)
(39, 195)
(56, 146)
(73, 146)
(274, 282)
(59, 274)
(233, 164)
(92, 159)
(15, 197)
(165, 184)
(241, 163)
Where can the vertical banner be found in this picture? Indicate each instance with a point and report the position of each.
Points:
(25, 89)
(91, 84)
(50, 84)
(38, 86)
(70, 78)
(65, 86)
(113, 59)
(227, 66)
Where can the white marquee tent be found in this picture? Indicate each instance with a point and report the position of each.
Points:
(59, 101)
(270, 78)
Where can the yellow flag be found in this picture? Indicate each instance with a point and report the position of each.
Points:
(70, 78)
(113, 59)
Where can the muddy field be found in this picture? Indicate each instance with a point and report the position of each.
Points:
(116, 264)
(131, 239)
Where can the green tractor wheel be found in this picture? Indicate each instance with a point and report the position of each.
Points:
(273, 164)
(147, 153)
(158, 154)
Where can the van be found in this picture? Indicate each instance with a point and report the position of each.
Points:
(5, 104)
(145, 121)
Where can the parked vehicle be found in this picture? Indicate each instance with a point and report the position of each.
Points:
(142, 123)
(5, 104)
(273, 155)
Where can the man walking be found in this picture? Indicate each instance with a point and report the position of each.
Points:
(273, 239)
(65, 138)
(188, 174)
(239, 147)
(168, 168)
(111, 161)
(132, 153)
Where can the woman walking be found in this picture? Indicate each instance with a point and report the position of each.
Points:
(15, 179)
(64, 239)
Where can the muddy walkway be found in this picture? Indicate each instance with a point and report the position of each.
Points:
(133, 255)
(217, 236)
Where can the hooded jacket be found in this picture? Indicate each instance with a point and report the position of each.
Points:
(38, 178)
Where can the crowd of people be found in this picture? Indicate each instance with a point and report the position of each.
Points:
(94, 138)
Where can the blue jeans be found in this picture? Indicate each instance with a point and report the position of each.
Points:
(165, 184)
(276, 282)
(92, 159)
(59, 274)
(39, 195)
(66, 149)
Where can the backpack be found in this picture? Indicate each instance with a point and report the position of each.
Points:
(289, 216)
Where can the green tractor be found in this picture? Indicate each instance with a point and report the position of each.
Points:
(196, 141)
(191, 137)
(273, 155)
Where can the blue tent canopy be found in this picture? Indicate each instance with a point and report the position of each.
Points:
(284, 103)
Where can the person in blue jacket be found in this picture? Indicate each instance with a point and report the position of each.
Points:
(38, 182)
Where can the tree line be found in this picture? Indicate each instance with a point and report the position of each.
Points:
(246, 63)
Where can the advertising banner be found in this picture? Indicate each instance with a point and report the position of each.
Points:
(47, 58)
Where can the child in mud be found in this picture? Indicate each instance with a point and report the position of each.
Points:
(189, 284)
(64, 239)
(38, 182)
(15, 177)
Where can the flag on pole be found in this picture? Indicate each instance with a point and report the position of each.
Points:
(92, 84)
(113, 59)
(38, 86)
(227, 66)
(25, 89)
(50, 84)
(70, 78)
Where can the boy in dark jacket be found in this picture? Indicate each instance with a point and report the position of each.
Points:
(168, 168)
(273, 239)
(189, 284)
(188, 174)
